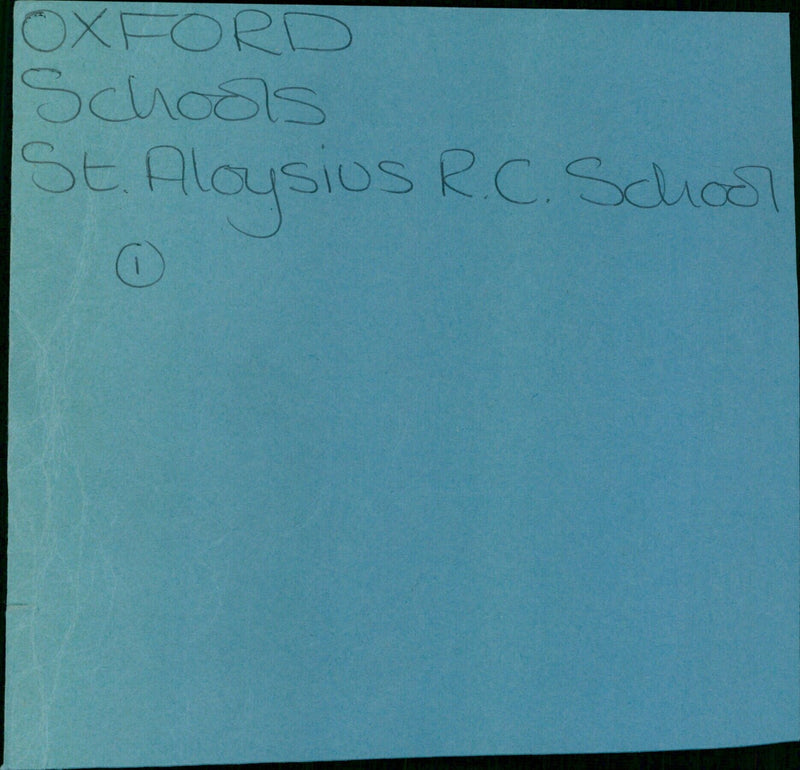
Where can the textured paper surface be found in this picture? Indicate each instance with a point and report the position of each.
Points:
(399, 382)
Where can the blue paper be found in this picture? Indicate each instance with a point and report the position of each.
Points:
(399, 382)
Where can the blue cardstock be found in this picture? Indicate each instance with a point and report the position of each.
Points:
(399, 382)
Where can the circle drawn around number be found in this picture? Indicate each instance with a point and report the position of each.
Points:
(138, 266)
